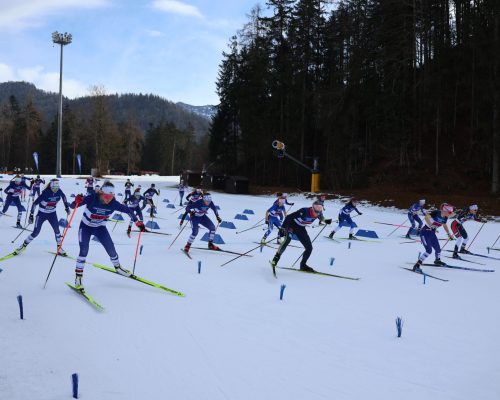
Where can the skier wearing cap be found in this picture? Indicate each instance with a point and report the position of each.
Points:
(128, 188)
(148, 195)
(13, 191)
(89, 184)
(35, 186)
(345, 218)
(413, 216)
(457, 227)
(284, 196)
(192, 197)
(434, 220)
(295, 224)
(133, 204)
(274, 217)
(47, 204)
(198, 211)
(100, 206)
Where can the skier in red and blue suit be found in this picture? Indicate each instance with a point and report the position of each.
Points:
(100, 206)
(433, 221)
(457, 227)
(47, 204)
(13, 191)
(413, 216)
(133, 203)
(35, 186)
(198, 211)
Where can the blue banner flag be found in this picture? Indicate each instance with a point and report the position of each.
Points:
(35, 157)
(79, 160)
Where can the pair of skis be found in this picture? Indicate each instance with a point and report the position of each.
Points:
(112, 270)
(217, 250)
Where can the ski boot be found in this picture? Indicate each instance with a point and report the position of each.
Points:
(408, 236)
(263, 240)
(121, 271)
(20, 249)
(62, 252)
(439, 263)
(331, 235)
(129, 229)
(463, 251)
(352, 237)
(187, 247)
(306, 268)
(416, 267)
(455, 254)
(212, 246)
(18, 224)
(275, 260)
(78, 282)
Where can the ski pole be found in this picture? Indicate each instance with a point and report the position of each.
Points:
(116, 223)
(252, 227)
(137, 250)
(177, 236)
(62, 240)
(399, 226)
(468, 247)
(322, 229)
(493, 245)
(249, 251)
(23, 229)
(176, 211)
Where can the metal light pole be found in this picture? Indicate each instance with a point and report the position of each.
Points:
(61, 39)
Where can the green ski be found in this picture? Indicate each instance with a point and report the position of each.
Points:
(86, 296)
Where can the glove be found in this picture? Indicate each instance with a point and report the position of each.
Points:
(451, 237)
(267, 221)
(292, 204)
(79, 198)
(328, 221)
(360, 214)
(30, 219)
(67, 210)
(180, 223)
(141, 226)
(219, 219)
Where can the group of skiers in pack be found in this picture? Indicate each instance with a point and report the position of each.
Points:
(100, 203)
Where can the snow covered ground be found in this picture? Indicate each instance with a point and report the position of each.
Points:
(231, 337)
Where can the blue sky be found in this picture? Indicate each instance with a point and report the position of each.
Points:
(166, 47)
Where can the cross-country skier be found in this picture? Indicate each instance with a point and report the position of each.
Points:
(192, 197)
(434, 220)
(345, 218)
(148, 195)
(280, 195)
(199, 210)
(457, 227)
(128, 188)
(89, 184)
(35, 186)
(133, 203)
(47, 204)
(99, 208)
(413, 216)
(321, 198)
(182, 188)
(295, 224)
(274, 217)
(13, 191)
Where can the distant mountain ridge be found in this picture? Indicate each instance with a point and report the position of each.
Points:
(207, 111)
(144, 109)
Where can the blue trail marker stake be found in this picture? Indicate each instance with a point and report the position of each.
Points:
(424, 279)
(74, 380)
(332, 259)
(20, 301)
(399, 325)
(199, 267)
(282, 290)
(140, 250)
(1, 269)
(349, 245)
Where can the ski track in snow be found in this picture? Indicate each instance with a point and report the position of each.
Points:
(231, 337)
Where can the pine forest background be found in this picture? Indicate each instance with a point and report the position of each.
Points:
(389, 92)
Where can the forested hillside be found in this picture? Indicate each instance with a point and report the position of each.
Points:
(393, 91)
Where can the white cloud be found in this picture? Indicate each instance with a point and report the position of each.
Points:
(153, 33)
(48, 81)
(177, 7)
(20, 14)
